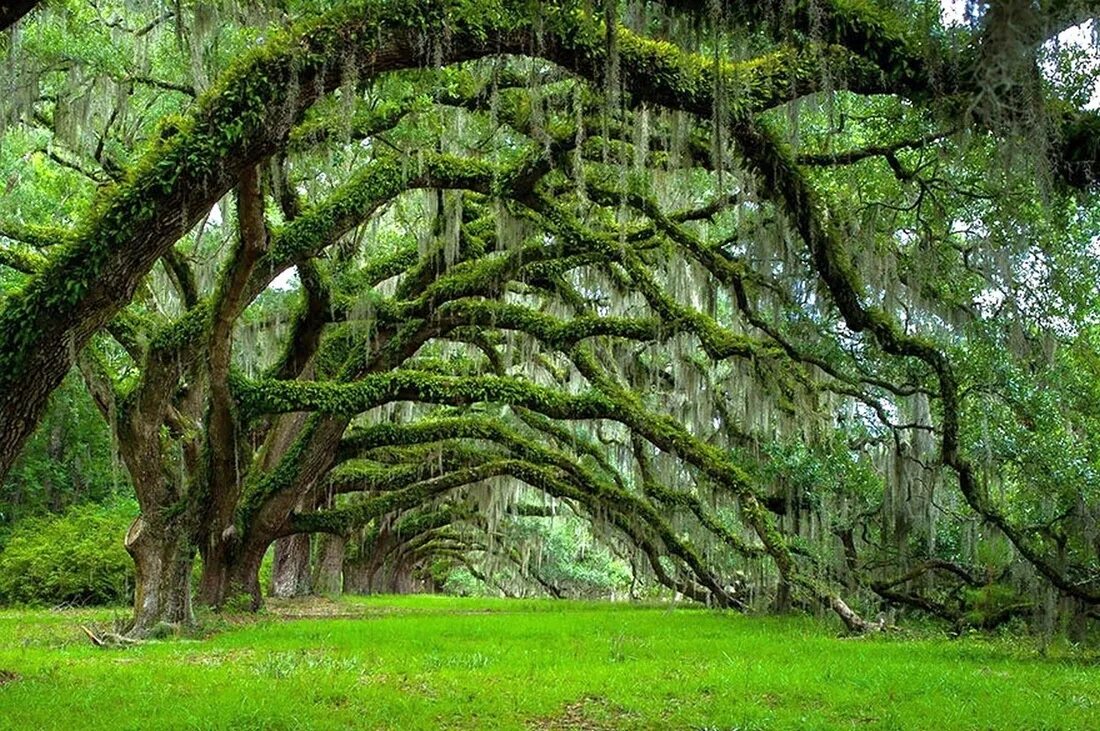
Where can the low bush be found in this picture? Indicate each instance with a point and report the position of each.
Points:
(75, 558)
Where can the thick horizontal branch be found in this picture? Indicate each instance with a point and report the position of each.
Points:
(342, 520)
(347, 399)
(21, 258)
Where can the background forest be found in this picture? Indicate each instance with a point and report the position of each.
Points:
(768, 306)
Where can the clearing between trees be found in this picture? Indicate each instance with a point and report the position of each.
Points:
(463, 663)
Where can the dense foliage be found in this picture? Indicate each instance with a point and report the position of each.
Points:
(789, 304)
(76, 558)
(68, 460)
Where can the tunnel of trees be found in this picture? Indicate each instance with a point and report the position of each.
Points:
(794, 303)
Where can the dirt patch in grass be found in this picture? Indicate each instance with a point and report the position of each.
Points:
(8, 676)
(591, 713)
(312, 607)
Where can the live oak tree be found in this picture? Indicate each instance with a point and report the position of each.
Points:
(791, 300)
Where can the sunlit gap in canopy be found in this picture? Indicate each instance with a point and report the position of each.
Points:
(287, 279)
(1076, 48)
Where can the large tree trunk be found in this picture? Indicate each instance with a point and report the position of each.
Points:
(327, 579)
(357, 577)
(290, 575)
(163, 558)
(231, 574)
(783, 599)
(399, 578)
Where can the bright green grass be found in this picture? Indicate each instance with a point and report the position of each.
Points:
(429, 662)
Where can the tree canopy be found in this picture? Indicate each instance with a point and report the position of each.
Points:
(793, 302)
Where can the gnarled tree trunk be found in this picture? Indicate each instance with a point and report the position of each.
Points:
(231, 570)
(357, 576)
(163, 558)
(328, 576)
(291, 576)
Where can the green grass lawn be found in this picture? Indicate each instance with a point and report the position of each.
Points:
(432, 662)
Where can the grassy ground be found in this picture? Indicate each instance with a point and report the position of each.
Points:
(429, 662)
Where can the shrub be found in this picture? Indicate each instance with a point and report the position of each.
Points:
(74, 558)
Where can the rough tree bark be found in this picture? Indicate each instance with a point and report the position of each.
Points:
(357, 576)
(163, 557)
(327, 578)
(291, 574)
(231, 572)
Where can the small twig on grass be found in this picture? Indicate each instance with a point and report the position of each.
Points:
(109, 639)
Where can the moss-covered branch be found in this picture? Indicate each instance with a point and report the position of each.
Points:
(598, 492)
(342, 520)
(268, 397)
(773, 162)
